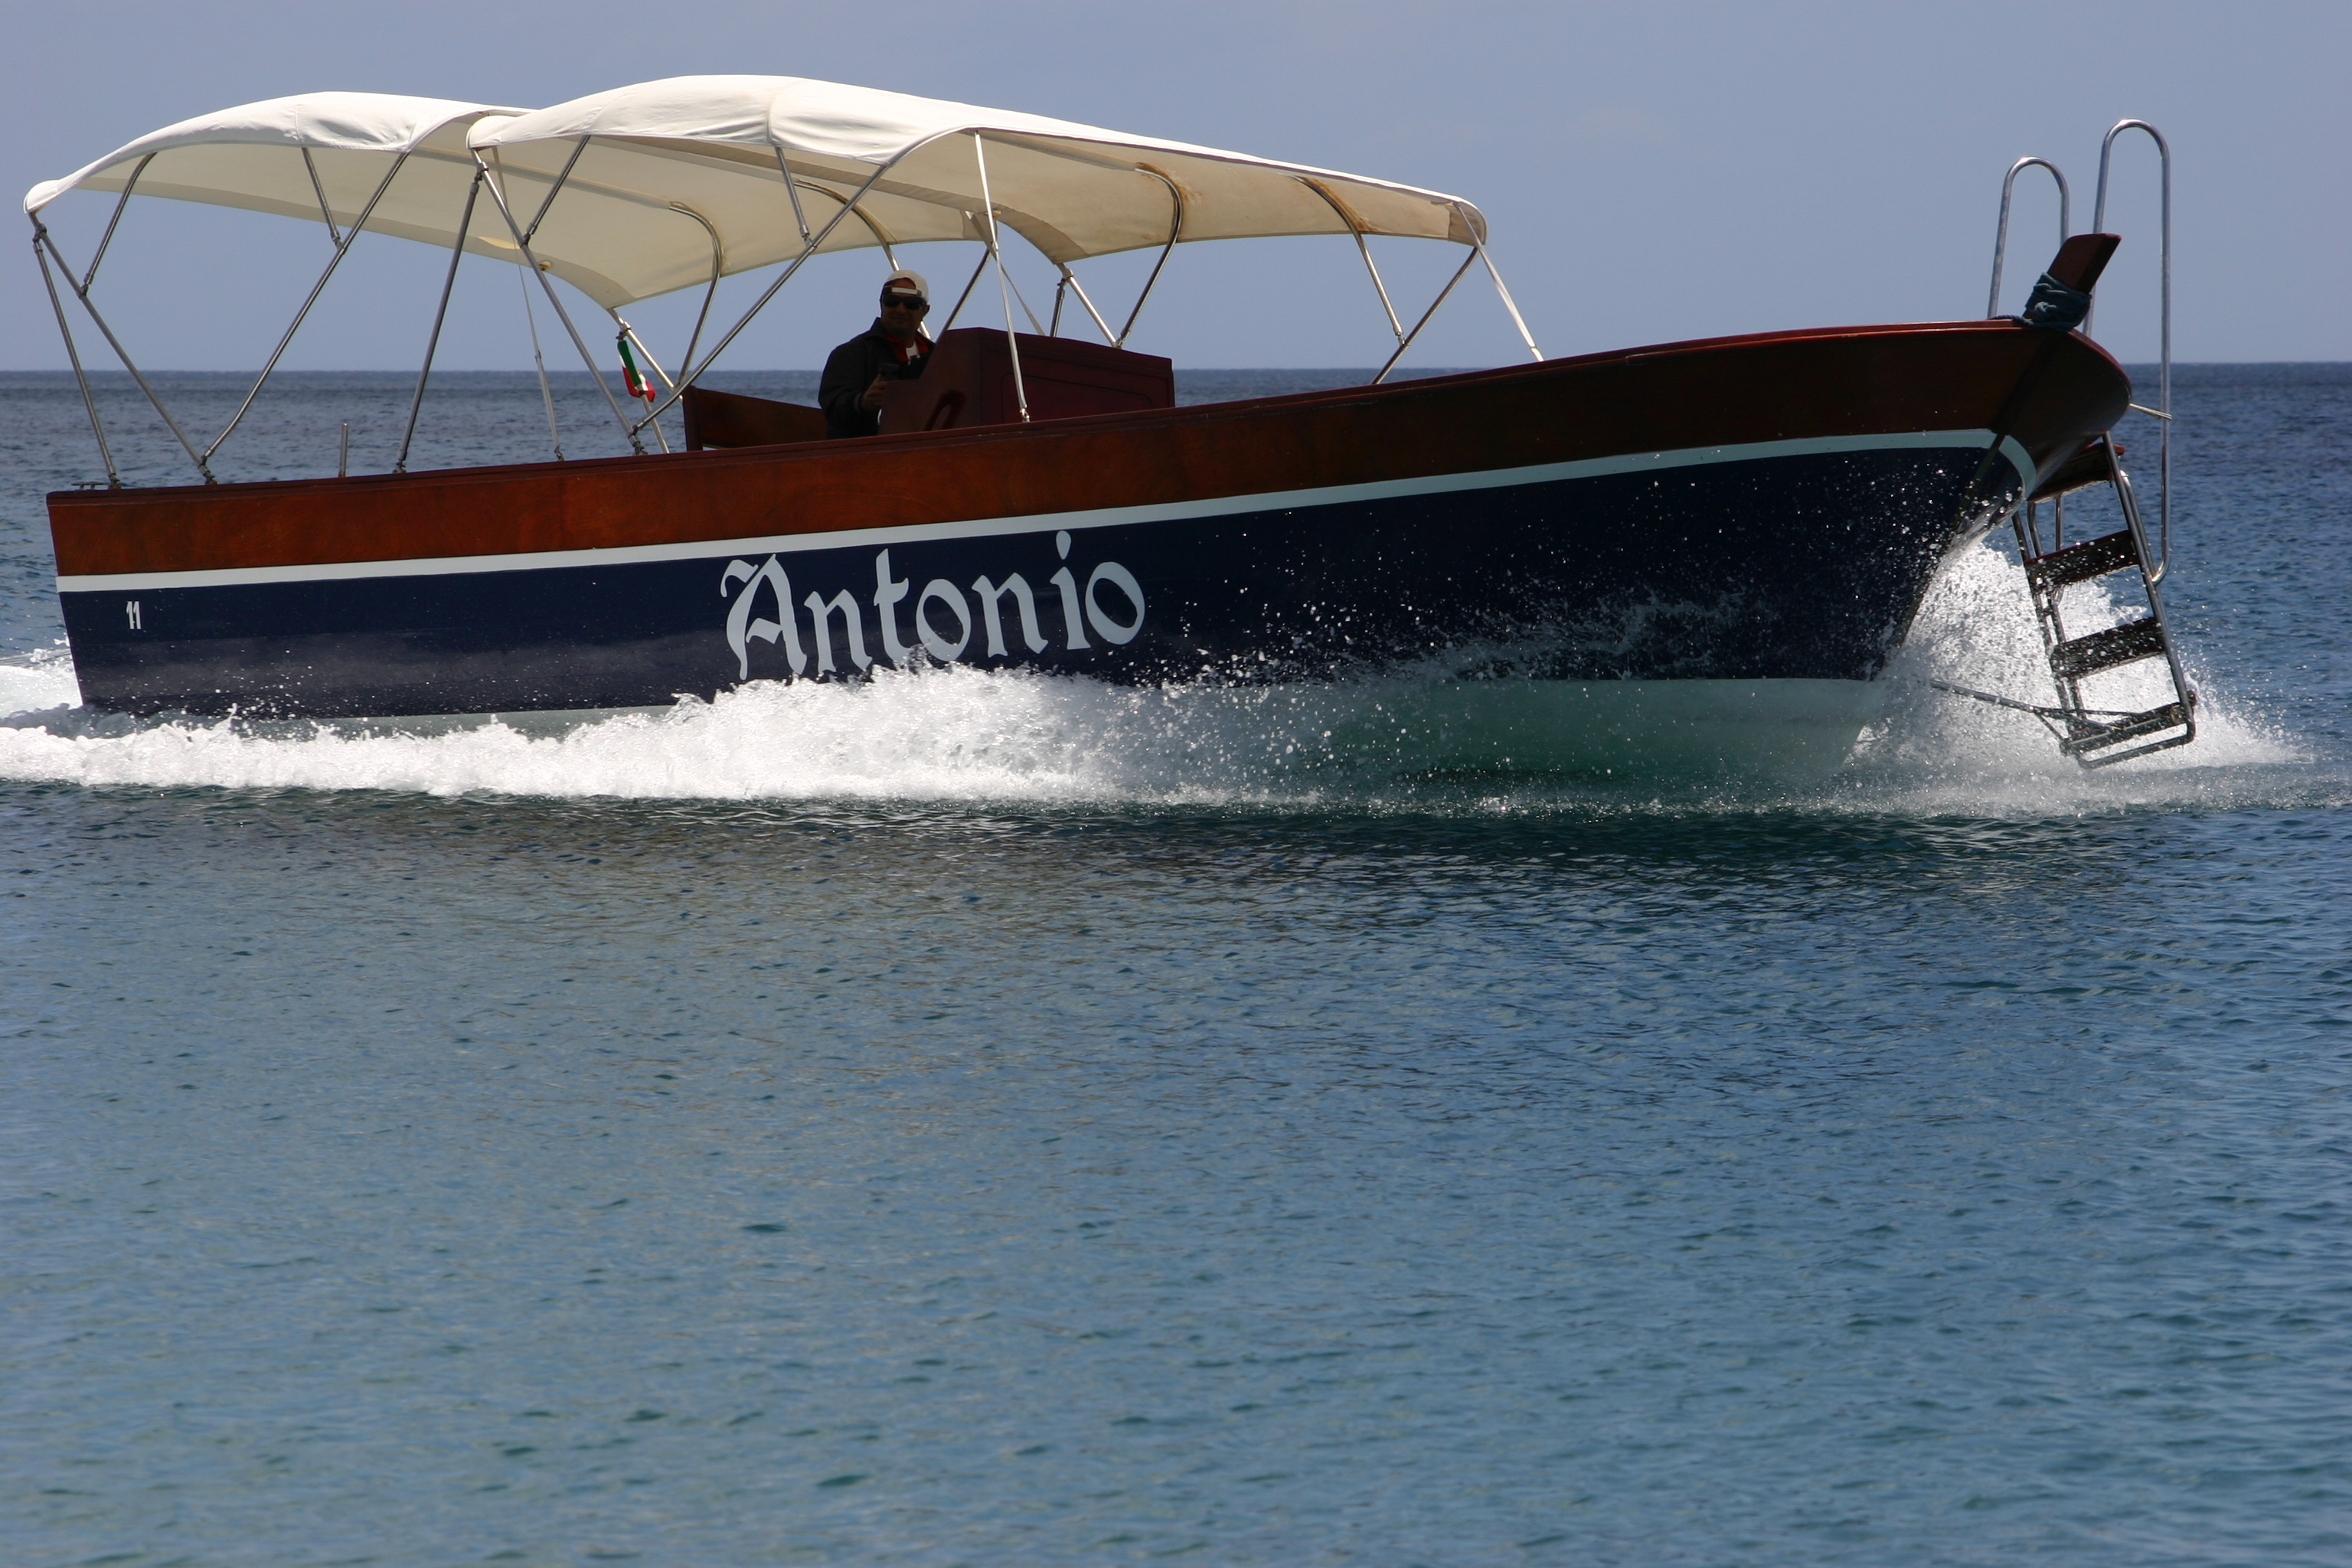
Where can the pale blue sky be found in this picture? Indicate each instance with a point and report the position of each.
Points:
(1652, 172)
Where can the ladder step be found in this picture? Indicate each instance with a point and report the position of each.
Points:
(2081, 563)
(2085, 467)
(2129, 728)
(2126, 644)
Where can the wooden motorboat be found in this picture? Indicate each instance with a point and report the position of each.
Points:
(1747, 511)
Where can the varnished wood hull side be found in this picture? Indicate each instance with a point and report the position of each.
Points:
(1759, 507)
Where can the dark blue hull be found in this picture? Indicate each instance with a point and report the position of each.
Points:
(1738, 565)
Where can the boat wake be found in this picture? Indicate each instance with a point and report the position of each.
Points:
(1395, 742)
(1932, 751)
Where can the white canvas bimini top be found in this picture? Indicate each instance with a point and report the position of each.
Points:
(709, 145)
(672, 168)
(251, 156)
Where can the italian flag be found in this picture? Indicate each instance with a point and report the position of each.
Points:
(630, 377)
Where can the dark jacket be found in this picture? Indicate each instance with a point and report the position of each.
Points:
(850, 369)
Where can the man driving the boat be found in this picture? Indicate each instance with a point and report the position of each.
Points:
(892, 348)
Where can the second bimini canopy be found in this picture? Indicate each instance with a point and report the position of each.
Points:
(662, 174)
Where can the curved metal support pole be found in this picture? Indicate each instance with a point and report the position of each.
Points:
(1467, 262)
(969, 285)
(1363, 249)
(1175, 232)
(889, 255)
(718, 260)
(73, 354)
(850, 204)
(1504, 294)
(341, 250)
(42, 237)
(2000, 234)
(522, 243)
(433, 343)
(107, 239)
(1003, 284)
(687, 373)
(2163, 409)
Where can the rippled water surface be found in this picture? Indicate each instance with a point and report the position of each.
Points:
(990, 1120)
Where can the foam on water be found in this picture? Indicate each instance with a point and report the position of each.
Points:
(1933, 751)
(955, 733)
(963, 734)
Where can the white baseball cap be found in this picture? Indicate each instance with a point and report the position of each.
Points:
(905, 282)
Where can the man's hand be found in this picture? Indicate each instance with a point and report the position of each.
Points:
(872, 397)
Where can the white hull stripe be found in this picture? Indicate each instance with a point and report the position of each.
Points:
(1107, 517)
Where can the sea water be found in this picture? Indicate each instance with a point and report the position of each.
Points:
(985, 1119)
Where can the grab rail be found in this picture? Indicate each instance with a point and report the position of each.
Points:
(2162, 412)
(2000, 234)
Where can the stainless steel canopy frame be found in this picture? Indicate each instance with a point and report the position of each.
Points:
(73, 354)
(43, 241)
(991, 240)
(341, 239)
(1012, 338)
(530, 259)
(718, 269)
(440, 313)
(688, 373)
(487, 170)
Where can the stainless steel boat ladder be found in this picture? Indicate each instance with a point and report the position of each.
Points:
(2100, 737)
(2090, 735)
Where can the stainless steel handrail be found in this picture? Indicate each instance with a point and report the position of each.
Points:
(2163, 409)
(2000, 234)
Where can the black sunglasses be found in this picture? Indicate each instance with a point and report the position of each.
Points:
(916, 303)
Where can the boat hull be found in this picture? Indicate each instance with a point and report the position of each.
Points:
(1752, 510)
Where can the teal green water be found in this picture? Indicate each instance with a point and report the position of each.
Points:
(989, 1122)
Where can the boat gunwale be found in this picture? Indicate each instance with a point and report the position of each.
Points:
(1197, 414)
